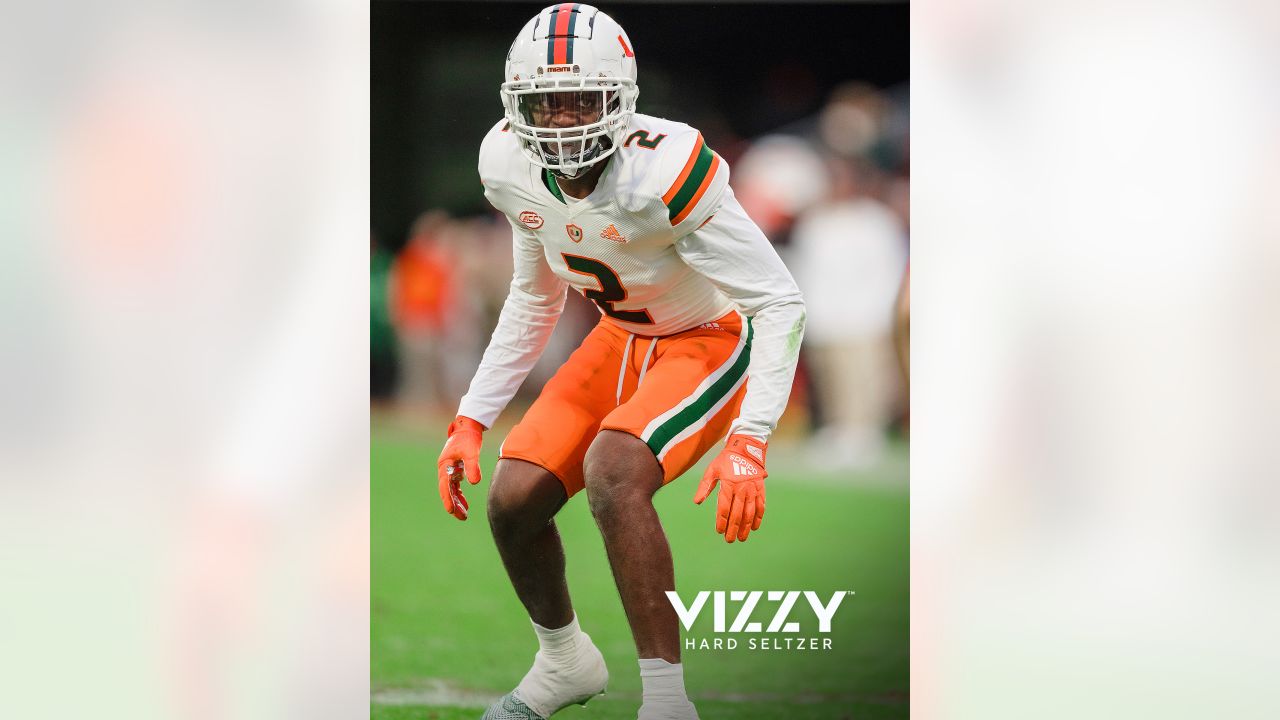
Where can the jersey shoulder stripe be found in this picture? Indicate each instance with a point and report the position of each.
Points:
(693, 181)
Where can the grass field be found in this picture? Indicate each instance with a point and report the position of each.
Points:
(449, 634)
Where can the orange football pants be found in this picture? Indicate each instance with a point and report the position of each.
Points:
(678, 394)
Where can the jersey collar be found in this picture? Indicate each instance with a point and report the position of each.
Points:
(550, 181)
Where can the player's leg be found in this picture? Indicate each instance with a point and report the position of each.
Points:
(541, 467)
(682, 408)
(523, 499)
(622, 476)
(567, 669)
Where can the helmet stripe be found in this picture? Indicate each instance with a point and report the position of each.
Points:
(573, 22)
(551, 35)
(561, 23)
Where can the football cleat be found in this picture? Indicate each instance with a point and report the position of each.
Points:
(509, 707)
(551, 686)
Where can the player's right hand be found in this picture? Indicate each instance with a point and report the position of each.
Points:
(461, 456)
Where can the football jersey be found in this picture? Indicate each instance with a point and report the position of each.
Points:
(660, 246)
(617, 245)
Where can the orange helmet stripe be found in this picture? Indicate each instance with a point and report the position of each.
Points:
(563, 21)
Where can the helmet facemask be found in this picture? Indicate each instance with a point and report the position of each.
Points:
(569, 124)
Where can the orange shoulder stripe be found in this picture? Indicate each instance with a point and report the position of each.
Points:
(688, 167)
(702, 189)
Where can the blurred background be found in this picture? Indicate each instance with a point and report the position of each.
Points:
(809, 105)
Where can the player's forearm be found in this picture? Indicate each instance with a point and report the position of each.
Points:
(523, 330)
(778, 329)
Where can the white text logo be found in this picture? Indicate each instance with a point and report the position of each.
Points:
(780, 622)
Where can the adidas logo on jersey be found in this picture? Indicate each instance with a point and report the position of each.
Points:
(611, 233)
(741, 466)
(710, 326)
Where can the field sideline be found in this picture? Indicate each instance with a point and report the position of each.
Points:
(448, 632)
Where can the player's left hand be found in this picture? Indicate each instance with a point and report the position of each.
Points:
(739, 469)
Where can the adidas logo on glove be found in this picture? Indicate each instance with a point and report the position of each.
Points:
(742, 466)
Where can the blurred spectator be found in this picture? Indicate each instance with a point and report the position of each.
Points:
(482, 247)
(382, 335)
(424, 302)
(853, 122)
(848, 256)
(777, 179)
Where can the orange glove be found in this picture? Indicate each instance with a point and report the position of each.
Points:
(461, 456)
(739, 468)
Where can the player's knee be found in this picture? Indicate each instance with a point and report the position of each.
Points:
(522, 498)
(619, 471)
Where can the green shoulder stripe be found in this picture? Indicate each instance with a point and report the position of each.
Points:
(689, 187)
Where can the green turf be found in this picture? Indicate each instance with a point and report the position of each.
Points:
(443, 612)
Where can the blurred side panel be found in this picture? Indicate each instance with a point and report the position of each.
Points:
(183, 418)
(1095, 505)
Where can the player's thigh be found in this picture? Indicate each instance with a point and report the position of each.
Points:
(690, 395)
(558, 428)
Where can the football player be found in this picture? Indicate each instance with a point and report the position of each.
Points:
(634, 212)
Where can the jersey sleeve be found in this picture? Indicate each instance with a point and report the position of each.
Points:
(529, 315)
(692, 180)
(737, 258)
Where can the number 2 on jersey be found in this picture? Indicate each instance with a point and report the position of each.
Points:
(610, 292)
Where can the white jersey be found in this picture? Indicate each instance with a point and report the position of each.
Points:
(661, 246)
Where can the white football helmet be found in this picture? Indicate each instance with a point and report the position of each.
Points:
(570, 87)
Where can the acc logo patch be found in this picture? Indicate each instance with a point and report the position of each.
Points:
(575, 232)
(532, 219)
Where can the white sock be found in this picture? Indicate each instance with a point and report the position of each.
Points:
(567, 669)
(560, 644)
(662, 682)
